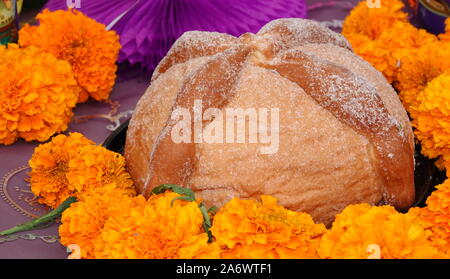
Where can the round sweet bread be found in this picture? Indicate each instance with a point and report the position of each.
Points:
(343, 135)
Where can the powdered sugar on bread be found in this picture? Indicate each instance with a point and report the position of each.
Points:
(344, 136)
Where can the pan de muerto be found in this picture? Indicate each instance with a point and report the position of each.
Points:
(315, 125)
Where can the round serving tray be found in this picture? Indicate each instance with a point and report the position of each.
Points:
(426, 174)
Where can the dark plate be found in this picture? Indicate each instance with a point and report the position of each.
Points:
(116, 140)
(426, 175)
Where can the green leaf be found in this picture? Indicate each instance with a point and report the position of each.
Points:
(213, 209)
(45, 219)
(206, 221)
(176, 189)
(184, 198)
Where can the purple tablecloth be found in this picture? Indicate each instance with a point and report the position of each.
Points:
(16, 203)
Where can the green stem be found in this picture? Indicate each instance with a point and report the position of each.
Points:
(49, 217)
(206, 221)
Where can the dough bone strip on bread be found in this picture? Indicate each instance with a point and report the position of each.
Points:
(213, 84)
(353, 101)
(194, 44)
(288, 33)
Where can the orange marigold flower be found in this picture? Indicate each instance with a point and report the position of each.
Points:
(384, 37)
(360, 227)
(37, 94)
(372, 22)
(445, 37)
(395, 44)
(159, 228)
(73, 166)
(94, 167)
(439, 231)
(408, 97)
(403, 39)
(437, 214)
(84, 43)
(416, 70)
(431, 117)
(49, 165)
(252, 229)
(83, 222)
(374, 53)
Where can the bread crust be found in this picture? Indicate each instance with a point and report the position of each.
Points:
(288, 62)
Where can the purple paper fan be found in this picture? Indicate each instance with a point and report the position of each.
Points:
(102, 11)
(148, 28)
